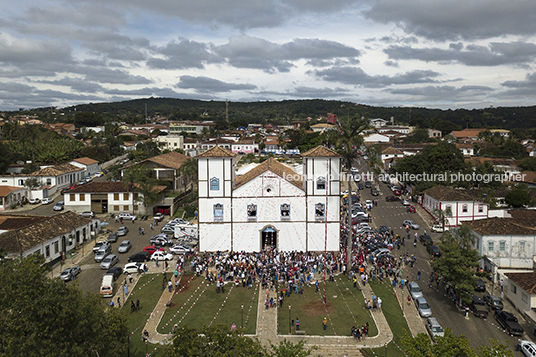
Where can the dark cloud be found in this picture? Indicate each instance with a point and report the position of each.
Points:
(183, 54)
(210, 85)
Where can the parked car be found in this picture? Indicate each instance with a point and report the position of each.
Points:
(433, 250)
(397, 192)
(59, 206)
(151, 249)
(132, 268)
(167, 229)
(47, 200)
(103, 251)
(159, 255)
(161, 240)
(479, 307)
(179, 249)
(99, 174)
(437, 228)
(70, 273)
(88, 179)
(480, 285)
(368, 184)
(88, 214)
(139, 257)
(406, 202)
(158, 217)
(81, 182)
(374, 192)
(411, 209)
(127, 216)
(34, 201)
(124, 246)
(122, 231)
(112, 237)
(414, 290)
(115, 272)
(509, 322)
(493, 302)
(423, 307)
(426, 239)
(109, 261)
(360, 186)
(391, 198)
(527, 347)
(99, 244)
(434, 328)
(411, 224)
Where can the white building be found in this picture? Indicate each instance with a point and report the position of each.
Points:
(91, 166)
(461, 205)
(271, 206)
(377, 123)
(170, 142)
(376, 138)
(245, 146)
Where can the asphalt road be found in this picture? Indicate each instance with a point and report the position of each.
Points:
(478, 331)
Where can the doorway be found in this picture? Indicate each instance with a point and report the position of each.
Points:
(268, 238)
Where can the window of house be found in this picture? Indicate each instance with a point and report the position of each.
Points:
(464, 208)
(285, 211)
(135, 196)
(513, 288)
(502, 246)
(49, 181)
(21, 182)
(116, 197)
(480, 208)
(214, 184)
(524, 297)
(218, 212)
(522, 246)
(82, 197)
(116, 208)
(125, 196)
(126, 208)
(252, 211)
(491, 246)
(320, 211)
(56, 247)
(47, 251)
(321, 183)
(135, 207)
(448, 208)
(72, 197)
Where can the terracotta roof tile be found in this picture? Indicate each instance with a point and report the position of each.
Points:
(499, 226)
(274, 166)
(444, 193)
(86, 161)
(320, 151)
(171, 159)
(6, 190)
(56, 170)
(527, 281)
(391, 151)
(217, 151)
(99, 186)
(22, 239)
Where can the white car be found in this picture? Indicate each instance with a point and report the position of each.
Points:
(179, 249)
(98, 174)
(528, 348)
(131, 268)
(34, 201)
(47, 201)
(159, 255)
(127, 216)
(437, 228)
(411, 224)
(406, 202)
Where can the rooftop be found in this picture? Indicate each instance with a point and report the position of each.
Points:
(320, 151)
(217, 151)
(448, 194)
(274, 166)
(56, 170)
(501, 226)
(527, 281)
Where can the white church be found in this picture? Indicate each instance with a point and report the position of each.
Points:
(271, 206)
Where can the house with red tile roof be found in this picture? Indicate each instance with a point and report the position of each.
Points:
(91, 166)
(10, 195)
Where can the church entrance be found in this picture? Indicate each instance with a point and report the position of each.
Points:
(268, 238)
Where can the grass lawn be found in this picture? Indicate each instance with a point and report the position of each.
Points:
(198, 304)
(395, 318)
(148, 290)
(344, 309)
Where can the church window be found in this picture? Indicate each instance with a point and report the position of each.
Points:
(214, 184)
(320, 211)
(218, 212)
(285, 212)
(252, 212)
(321, 183)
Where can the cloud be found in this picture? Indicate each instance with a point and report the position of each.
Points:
(22, 51)
(183, 54)
(496, 54)
(115, 76)
(356, 76)
(457, 19)
(209, 85)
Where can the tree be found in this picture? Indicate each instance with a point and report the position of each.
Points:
(33, 183)
(29, 168)
(41, 316)
(528, 164)
(451, 346)
(144, 151)
(442, 215)
(418, 136)
(347, 143)
(189, 171)
(517, 198)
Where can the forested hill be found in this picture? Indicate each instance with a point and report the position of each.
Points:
(283, 112)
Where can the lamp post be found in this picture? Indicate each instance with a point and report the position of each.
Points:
(242, 307)
(289, 325)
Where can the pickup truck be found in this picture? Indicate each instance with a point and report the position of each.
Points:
(479, 307)
(509, 322)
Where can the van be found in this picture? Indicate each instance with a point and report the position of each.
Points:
(434, 328)
(107, 286)
(103, 251)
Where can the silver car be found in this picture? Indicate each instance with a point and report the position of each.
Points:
(423, 307)
(109, 261)
(414, 290)
(434, 328)
(124, 246)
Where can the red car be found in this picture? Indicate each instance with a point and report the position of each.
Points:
(411, 209)
(397, 192)
(151, 249)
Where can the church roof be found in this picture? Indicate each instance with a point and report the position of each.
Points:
(274, 166)
(217, 151)
(320, 151)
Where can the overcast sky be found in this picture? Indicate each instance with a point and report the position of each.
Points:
(429, 53)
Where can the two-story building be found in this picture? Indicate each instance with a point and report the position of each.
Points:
(245, 146)
(91, 166)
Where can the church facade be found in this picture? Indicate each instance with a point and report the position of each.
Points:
(270, 206)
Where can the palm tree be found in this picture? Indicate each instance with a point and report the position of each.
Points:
(349, 140)
(189, 171)
(442, 215)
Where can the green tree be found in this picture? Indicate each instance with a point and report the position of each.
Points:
(517, 198)
(189, 171)
(418, 136)
(528, 164)
(29, 168)
(41, 316)
(144, 151)
(451, 346)
(442, 215)
(33, 183)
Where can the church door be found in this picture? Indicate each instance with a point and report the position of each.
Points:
(268, 238)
